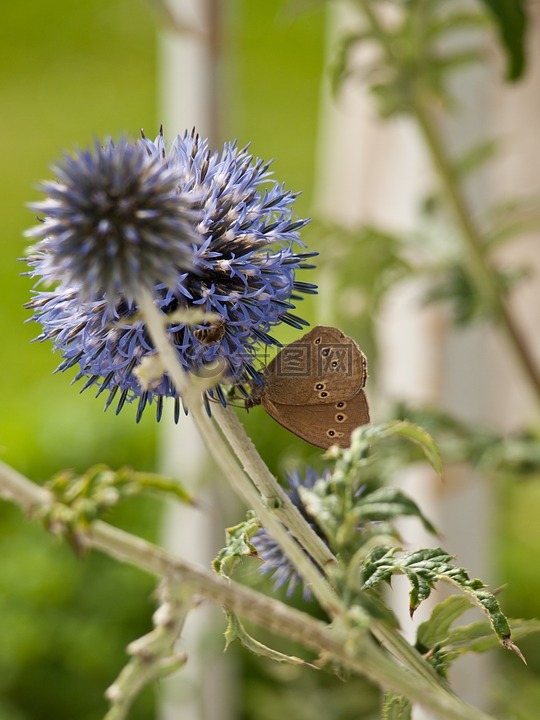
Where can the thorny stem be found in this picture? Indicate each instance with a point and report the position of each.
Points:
(350, 646)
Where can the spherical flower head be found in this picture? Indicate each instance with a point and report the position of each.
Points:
(115, 218)
(275, 563)
(243, 276)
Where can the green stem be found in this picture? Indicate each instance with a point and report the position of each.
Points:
(241, 443)
(220, 451)
(361, 655)
(153, 656)
(269, 487)
(243, 486)
(478, 263)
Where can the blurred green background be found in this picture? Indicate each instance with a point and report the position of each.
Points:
(71, 72)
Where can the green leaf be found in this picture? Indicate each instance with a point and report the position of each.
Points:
(426, 567)
(456, 286)
(396, 707)
(368, 261)
(444, 645)
(236, 631)
(436, 628)
(401, 429)
(457, 22)
(238, 546)
(476, 637)
(511, 19)
(340, 69)
(386, 503)
(475, 157)
(514, 457)
(456, 60)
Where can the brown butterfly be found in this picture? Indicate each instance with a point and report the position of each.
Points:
(314, 388)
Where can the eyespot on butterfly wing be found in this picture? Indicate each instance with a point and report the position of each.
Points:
(322, 425)
(323, 366)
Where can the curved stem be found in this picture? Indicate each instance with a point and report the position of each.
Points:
(362, 656)
(153, 656)
(350, 647)
(228, 464)
(243, 486)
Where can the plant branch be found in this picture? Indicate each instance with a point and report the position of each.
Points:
(228, 464)
(153, 656)
(478, 262)
(243, 486)
(270, 489)
(350, 646)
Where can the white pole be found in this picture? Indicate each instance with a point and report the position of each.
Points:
(188, 98)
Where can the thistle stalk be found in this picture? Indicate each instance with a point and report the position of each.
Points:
(348, 645)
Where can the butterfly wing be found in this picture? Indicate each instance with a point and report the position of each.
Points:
(322, 425)
(324, 366)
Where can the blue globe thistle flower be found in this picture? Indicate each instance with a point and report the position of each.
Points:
(275, 563)
(242, 266)
(115, 218)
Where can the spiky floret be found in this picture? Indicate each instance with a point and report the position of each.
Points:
(243, 269)
(115, 218)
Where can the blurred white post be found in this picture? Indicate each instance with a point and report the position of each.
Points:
(188, 98)
(375, 171)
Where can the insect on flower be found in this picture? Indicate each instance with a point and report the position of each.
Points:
(202, 229)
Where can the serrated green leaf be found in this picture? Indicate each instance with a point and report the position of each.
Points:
(379, 567)
(387, 503)
(511, 19)
(426, 567)
(396, 707)
(236, 631)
